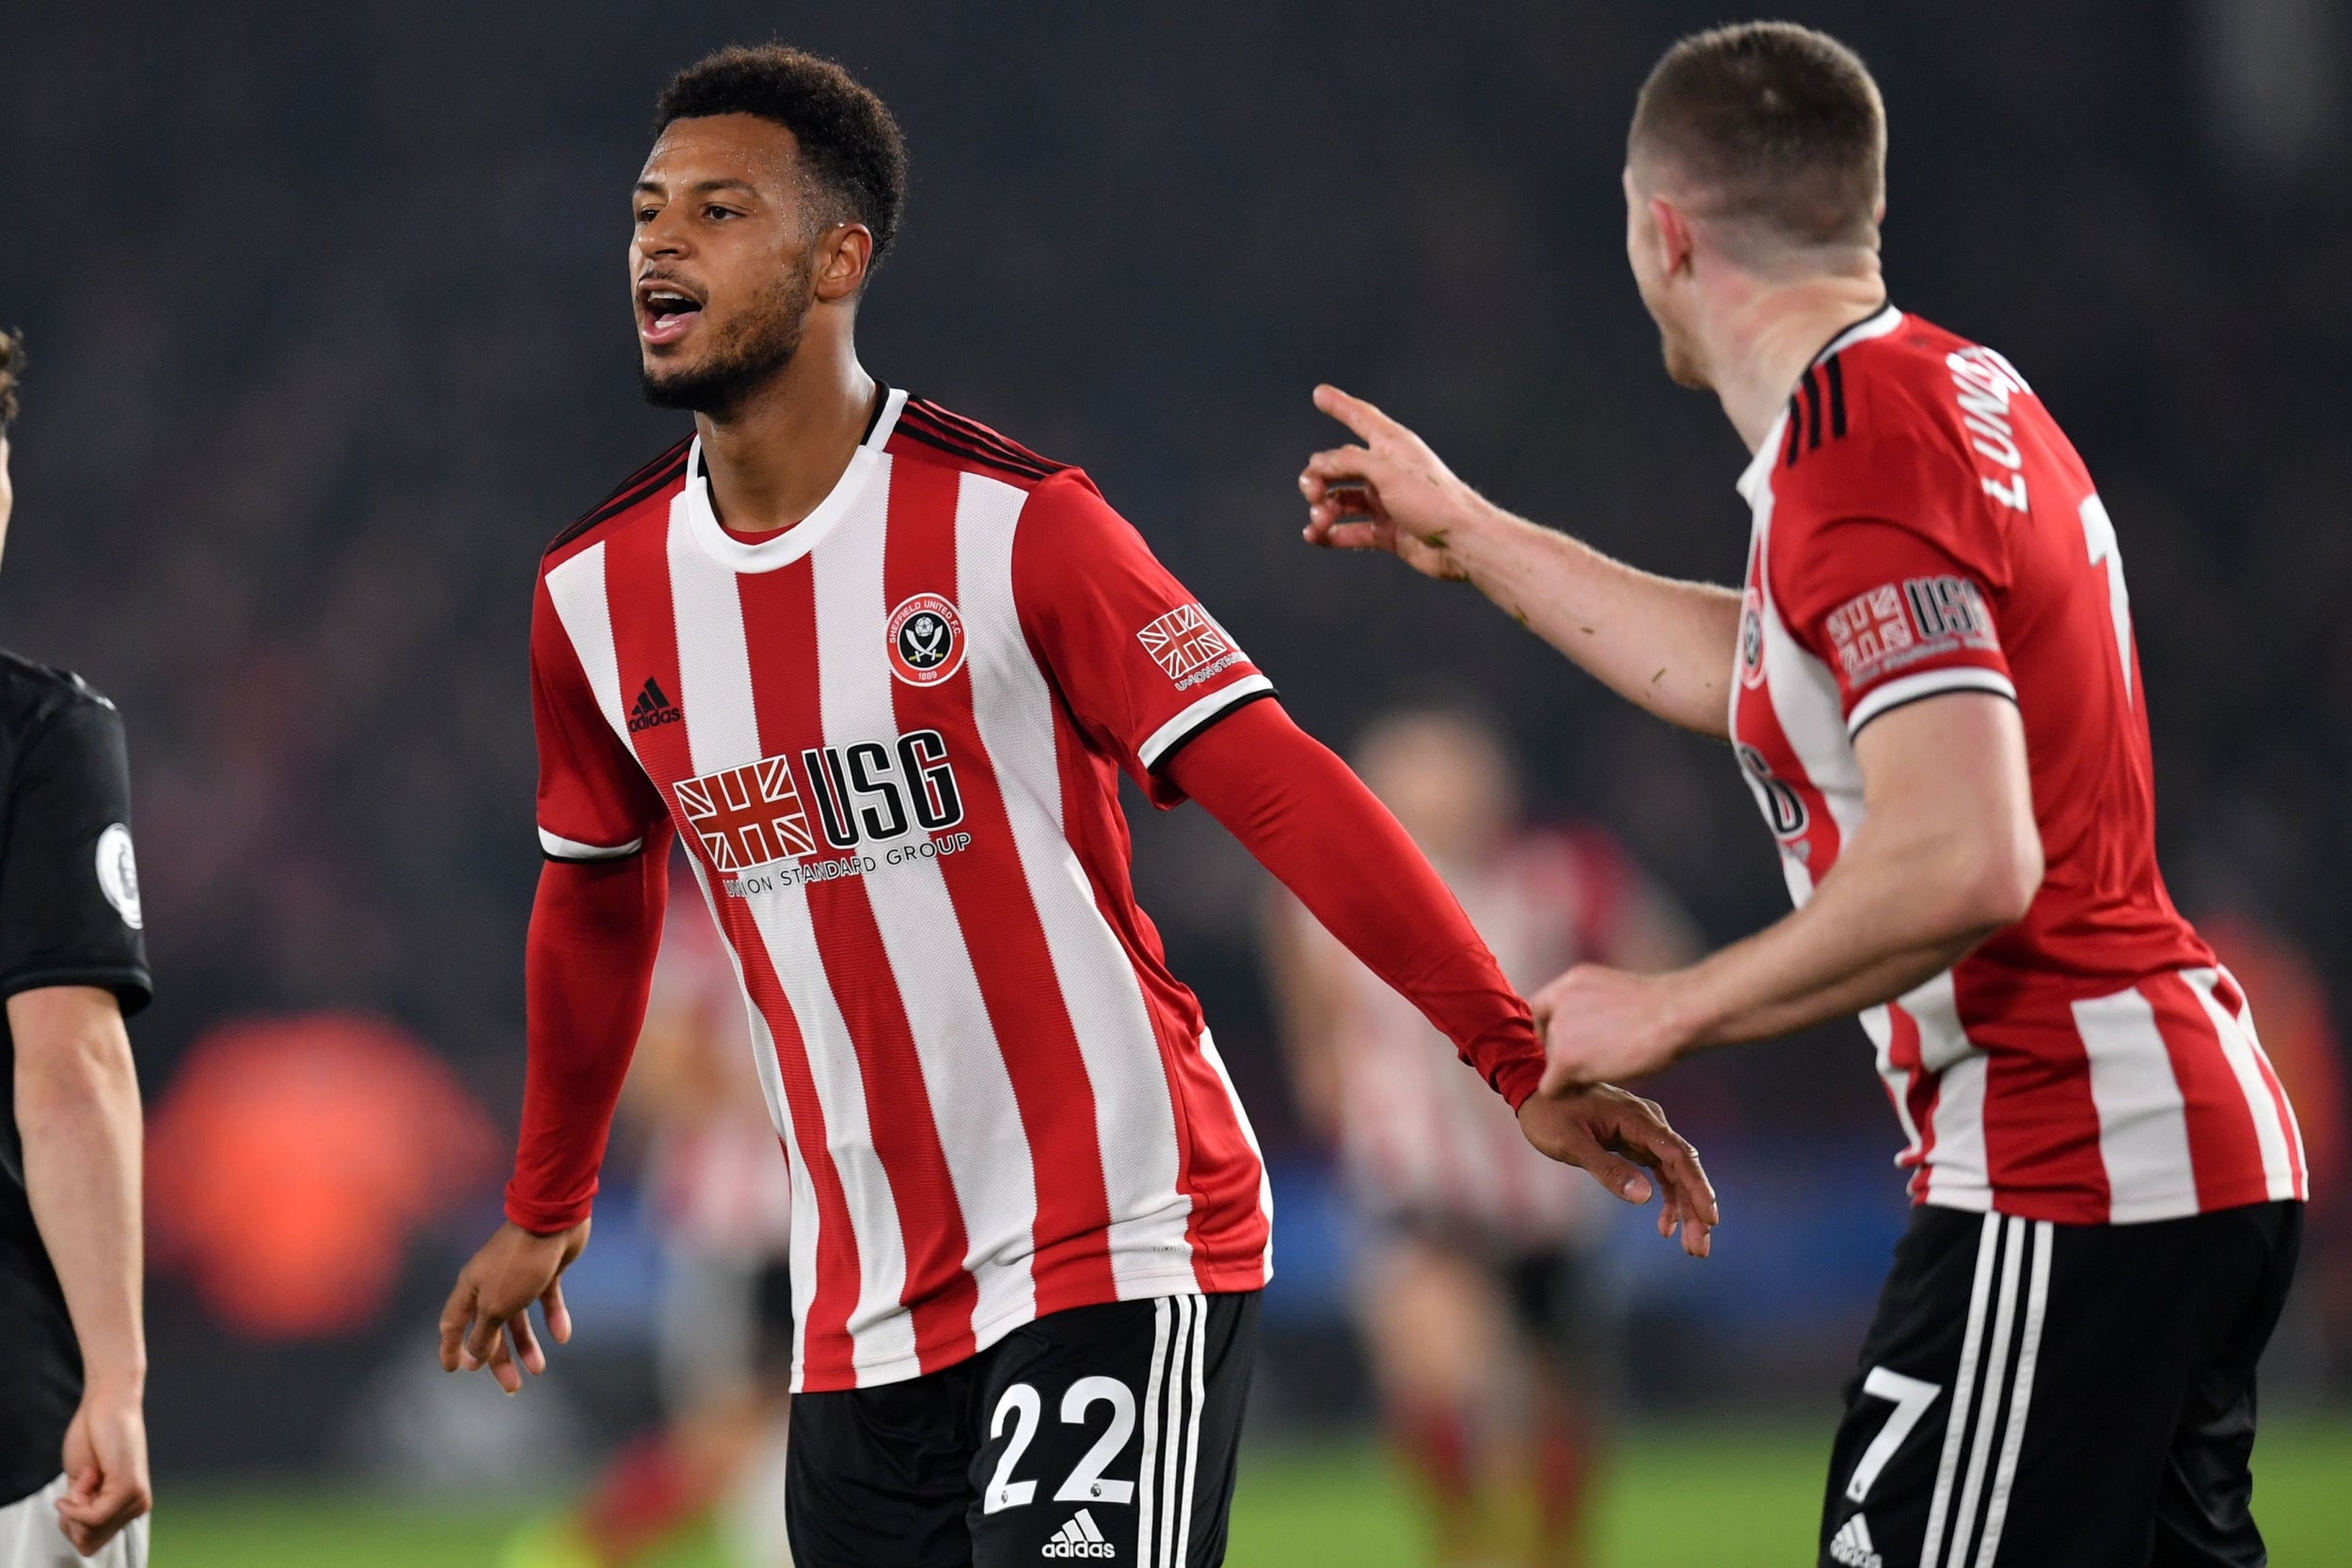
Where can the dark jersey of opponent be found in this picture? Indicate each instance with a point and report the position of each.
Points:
(69, 916)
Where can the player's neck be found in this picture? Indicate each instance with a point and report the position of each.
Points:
(1764, 341)
(771, 460)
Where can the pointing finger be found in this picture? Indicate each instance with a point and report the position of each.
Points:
(1353, 412)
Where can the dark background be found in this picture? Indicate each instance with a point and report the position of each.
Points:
(329, 336)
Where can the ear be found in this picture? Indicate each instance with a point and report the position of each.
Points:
(844, 254)
(1676, 241)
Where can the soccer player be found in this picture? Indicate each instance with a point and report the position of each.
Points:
(1489, 1329)
(73, 1476)
(1929, 682)
(881, 667)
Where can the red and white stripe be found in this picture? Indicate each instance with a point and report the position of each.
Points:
(995, 1102)
(2026, 1084)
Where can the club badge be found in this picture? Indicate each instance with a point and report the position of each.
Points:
(926, 638)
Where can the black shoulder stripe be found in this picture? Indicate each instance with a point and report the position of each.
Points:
(1811, 386)
(1001, 451)
(969, 454)
(1002, 454)
(1836, 375)
(645, 481)
(972, 430)
(1796, 434)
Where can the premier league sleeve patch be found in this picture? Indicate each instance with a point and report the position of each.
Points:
(926, 640)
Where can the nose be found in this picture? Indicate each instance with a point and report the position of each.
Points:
(663, 235)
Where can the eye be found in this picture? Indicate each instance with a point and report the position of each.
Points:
(646, 214)
(717, 214)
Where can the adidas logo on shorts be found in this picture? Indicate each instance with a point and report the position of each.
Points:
(1851, 1545)
(1080, 1538)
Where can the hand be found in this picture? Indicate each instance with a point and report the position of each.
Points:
(1390, 494)
(1602, 1025)
(1613, 1135)
(105, 1464)
(487, 1321)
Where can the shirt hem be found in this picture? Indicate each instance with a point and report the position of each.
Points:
(1149, 1287)
(2079, 1208)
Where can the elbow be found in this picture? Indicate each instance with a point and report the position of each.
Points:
(1997, 888)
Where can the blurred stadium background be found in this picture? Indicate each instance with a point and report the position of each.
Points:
(328, 337)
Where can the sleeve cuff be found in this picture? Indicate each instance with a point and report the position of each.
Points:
(1170, 738)
(1516, 1079)
(557, 848)
(547, 1219)
(1930, 683)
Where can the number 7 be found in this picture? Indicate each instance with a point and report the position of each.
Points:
(1912, 1398)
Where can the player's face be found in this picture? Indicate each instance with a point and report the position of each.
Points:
(1646, 252)
(720, 260)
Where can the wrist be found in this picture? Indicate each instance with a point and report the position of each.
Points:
(122, 1382)
(1692, 1013)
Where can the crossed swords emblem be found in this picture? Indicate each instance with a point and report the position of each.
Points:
(927, 635)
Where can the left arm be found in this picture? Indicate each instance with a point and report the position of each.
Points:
(1947, 854)
(1316, 826)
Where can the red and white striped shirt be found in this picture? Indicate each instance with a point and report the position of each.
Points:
(1922, 527)
(890, 737)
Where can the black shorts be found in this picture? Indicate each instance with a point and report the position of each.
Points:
(1102, 1432)
(2061, 1396)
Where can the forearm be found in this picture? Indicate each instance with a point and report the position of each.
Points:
(1888, 917)
(1311, 822)
(588, 970)
(78, 1104)
(1668, 645)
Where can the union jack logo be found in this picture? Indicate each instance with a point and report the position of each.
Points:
(1184, 639)
(748, 816)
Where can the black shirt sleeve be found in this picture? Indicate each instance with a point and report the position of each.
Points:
(69, 883)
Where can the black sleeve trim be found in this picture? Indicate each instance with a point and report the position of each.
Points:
(2009, 697)
(1168, 754)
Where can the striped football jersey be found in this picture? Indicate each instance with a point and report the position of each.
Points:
(1922, 527)
(890, 737)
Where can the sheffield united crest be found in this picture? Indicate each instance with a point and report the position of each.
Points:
(926, 640)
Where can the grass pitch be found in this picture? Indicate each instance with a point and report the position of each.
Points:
(1675, 1498)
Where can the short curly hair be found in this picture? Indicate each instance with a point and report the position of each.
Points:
(849, 142)
(11, 375)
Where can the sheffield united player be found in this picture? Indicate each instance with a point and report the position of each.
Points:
(882, 668)
(1931, 684)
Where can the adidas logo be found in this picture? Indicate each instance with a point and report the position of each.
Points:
(653, 708)
(1078, 1538)
(1851, 1545)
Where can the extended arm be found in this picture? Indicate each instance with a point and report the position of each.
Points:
(78, 1104)
(1664, 644)
(1315, 825)
(1947, 854)
(588, 964)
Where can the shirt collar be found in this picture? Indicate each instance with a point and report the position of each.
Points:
(786, 546)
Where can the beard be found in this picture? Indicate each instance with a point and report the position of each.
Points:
(1685, 366)
(748, 352)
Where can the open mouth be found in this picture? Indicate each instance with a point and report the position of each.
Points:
(665, 312)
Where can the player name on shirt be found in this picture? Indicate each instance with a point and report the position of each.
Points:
(1922, 527)
(891, 737)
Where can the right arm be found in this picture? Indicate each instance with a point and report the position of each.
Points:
(1667, 645)
(595, 927)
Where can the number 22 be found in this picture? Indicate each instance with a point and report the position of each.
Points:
(1022, 1405)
